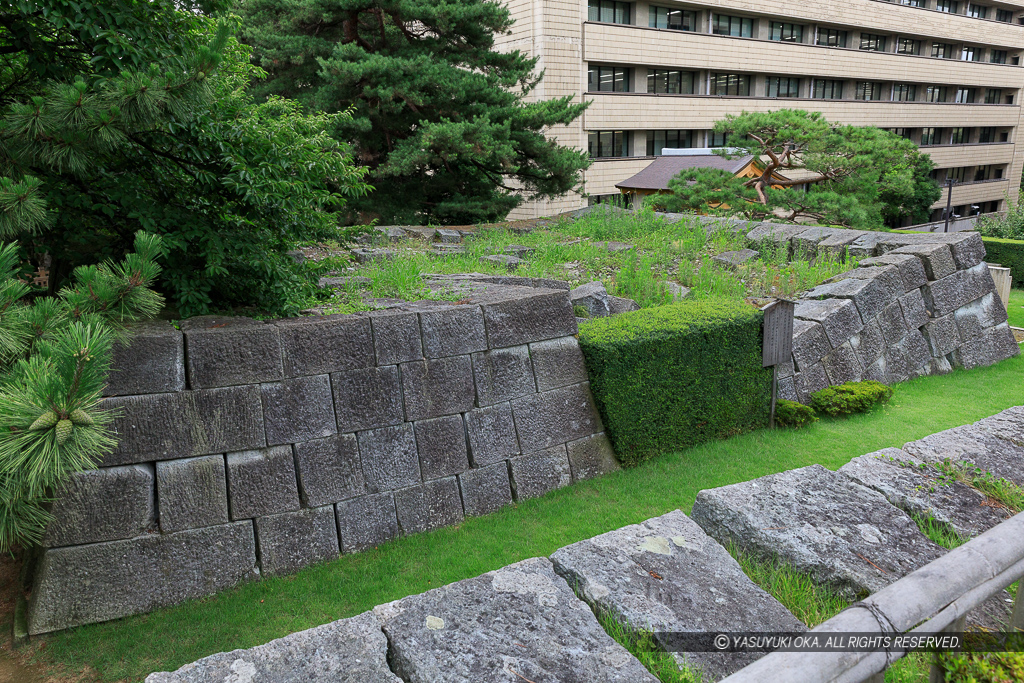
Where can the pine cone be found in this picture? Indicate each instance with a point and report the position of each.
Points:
(80, 417)
(44, 421)
(63, 431)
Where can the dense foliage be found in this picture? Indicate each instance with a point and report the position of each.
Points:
(1008, 254)
(1010, 226)
(861, 177)
(851, 397)
(441, 119)
(670, 377)
(793, 414)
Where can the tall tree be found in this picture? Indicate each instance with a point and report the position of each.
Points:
(440, 117)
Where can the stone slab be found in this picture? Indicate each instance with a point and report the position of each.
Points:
(975, 445)
(292, 540)
(1008, 425)
(870, 295)
(322, 345)
(503, 374)
(103, 505)
(534, 474)
(619, 304)
(547, 314)
(914, 312)
(993, 345)
(366, 521)
(868, 343)
(557, 416)
(942, 335)
(367, 399)
(85, 584)
(944, 296)
(440, 386)
(891, 322)
(243, 354)
(775, 232)
(810, 343)
(591, 457)
(838, 244)
(329, 470)
(389, 458)
(396, 336)
(452, 331)
(485, 489)
(262, 482)
(518, 622)
(838, 317)
(973, 319)
(665, 575)
(837, 532)
(937, 259)
(298, 409)
(442, 446)
(151, 362)
(910, 268)
(809, 380)
(433, 505)
(842, 365)
(492, 434)
(734, 259)
(192, 493)
(558, 363)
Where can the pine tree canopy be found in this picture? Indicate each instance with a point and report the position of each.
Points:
(442, 120)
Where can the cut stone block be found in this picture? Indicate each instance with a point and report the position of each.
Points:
(591, 457)
(838, 318)
(942, 335)
(319, 346)
(433, 505)
(919, 489)
(786, 369)
(485, 489)
(877, 371)
(509, 262)
(367, 399)
(973, 319)
(968, 248)
(838, 244)
(243, 354)
(866, 244)
(442, 386)
(810, 343)
(557, 416)
(868, 343)
(85, 584)
(389, 458)
(346, 651)
(298, 409)
(547, 314)
(805, 245)
(842, 365)
(993, 345)
(787, 389)
(396, 336)
(891, 322)
(870, 295)
(910, 268)
(329, 470)
(937, 259)
(973, 444)
(449, 236)
(779, 233)
(453, 331)
(492, 434)
(618, 304)
(102, 505)
(534, 474)
(368, 255)
(442, 447)
(262, 482)
(820, 523)
(187, 423)
(366, 522)
(192, 493)
(665, 576)
(503, 374)
(914, 312)
(529, 619)
(592, 296)
(1008, 425)
(907, 357)
(292, 540)
(734, 259)
(944, 296)
(151, 362)
(809, 380)
(557, 363)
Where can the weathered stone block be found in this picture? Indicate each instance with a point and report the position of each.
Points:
(262, 482)
(892, 324)
(810, 379)
(485, 489)
(441, 443)
(592, 296)
(367, 399)
(779, 233)
(667, 576)
(534, 474)
(866, 244)
(1007, 425)
(944, 296)
(243, 354)
(591, 457)
(166, 426)
(787, 389)
(937, 259)
(545, 315)
(869, 343)
(449, 236)
(350, 650)
(292, 540)
(993, 345)
(503, 374)
(942, 335)
(805, 245)
(557, 416)
(453, 331)
(838, 244)
(329, 470)
(786, 369)
(877, 371)
(838, 318)
(619, 304)
(975, 444)
(906, 358)
(442, 386)
(433, 505)
(151, 362)
(298, 409)
(102, 505)
(810, 343)
(914, 312)
(910, 268)
(85, 584)
(492, 434)
(318, 346)
(396, 336)
(366, 521)
(735, 259)
(842, 365)
(192, 493)
(968, 249)
(389, 458)
(973, 319)
(557, 363)
(870, 289)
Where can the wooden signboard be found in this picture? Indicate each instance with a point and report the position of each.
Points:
(778, 333)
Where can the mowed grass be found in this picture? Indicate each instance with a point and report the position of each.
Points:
(258, 612)
(1016, 309)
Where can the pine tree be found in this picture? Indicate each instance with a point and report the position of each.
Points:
(439, 116)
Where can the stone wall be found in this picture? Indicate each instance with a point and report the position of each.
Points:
(249, 449)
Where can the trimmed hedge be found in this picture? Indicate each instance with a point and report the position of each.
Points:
(674, 376)
(849, 398)
(793, 414)
(1007, 253)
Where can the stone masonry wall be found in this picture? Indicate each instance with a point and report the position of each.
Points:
(249, 449)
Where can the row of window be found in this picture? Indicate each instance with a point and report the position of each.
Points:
(972, 10)
(969, 174)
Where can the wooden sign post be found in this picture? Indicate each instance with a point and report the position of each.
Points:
(777, 345)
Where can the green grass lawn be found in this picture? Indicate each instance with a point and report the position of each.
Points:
(1016, 310)
(255, 613)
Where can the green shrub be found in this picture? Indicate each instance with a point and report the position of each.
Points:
(984, 667)
(852, 397)
(1007, 253)
(670, 377)
(793, 414)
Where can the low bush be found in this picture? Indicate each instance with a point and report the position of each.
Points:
(1007, 253)
(852, 397)
(793, 414)
(670, 377)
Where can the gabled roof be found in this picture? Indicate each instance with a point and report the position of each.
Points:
(661, 170)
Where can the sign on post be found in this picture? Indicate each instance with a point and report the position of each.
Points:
(777, 344)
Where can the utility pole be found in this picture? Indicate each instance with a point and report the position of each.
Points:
(949, 202)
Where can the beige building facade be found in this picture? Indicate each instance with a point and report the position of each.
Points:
(946, 74)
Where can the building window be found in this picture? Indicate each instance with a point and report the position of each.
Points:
(942, 50)
(987, 134)
(959, 136)
(950, 6)
(969, 53)
(904, 92)
(930, 136)
(913, 3)
(902, 132)
(608, 79)
(989, 172)
(787, 33)
(831, 37)
(872, 41)
(997, 57)
(977, 11)
(672, 19)
(993, 96)
(730, 84)
(965, 95)
(909, 46)
(725, 25)
(783, 86)
(608, 143)
(868, 90)
(608, 11)
(671, 82)
(957, 174)
(673, 139)
(828, 90)
(716, 139)
(1004, 15)
(935, 93)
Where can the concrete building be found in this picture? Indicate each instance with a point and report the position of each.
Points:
(945, 73)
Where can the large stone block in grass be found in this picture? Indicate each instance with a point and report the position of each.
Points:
(292, 540)
(534, 474)
(973, 319)
(665, 575)
(519, 622)
(591, 457)
(366, 521)
(991, 346)
(103, 505)
(485, 489)
(433, 505)
(557, 416)
(347, 651)
(85, 584)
